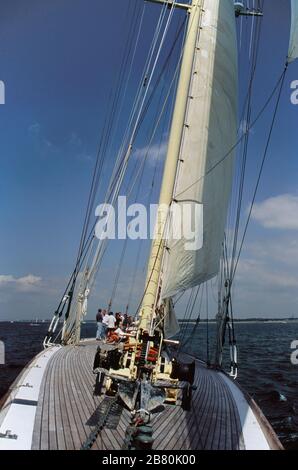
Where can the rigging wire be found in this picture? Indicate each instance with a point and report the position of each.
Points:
(178, 33)
(140, 177)
(148, 200)
(248, 98)
(171, 85)
(142, 166)
(92, 194)
(261, 169)
(212, 168)
(184, 323)
(230, 275)
(141, 90)
(241, 140)
(182, 336)
(252, 30)
(101, 154)
(247, 121)
(179, 297)
(167, 97)
(148, 73)
(116, 189)
(123, 67)
(198, 316)
(105, 138)
(165, 226)
(225, 303)
(240, 195)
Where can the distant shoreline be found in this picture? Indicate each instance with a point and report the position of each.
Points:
(245, 320)
(193, 320)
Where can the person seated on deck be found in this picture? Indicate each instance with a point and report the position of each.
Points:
(113, 338)
(119, 331)
(117, 335)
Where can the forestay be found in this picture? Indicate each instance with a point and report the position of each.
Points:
(210, 133)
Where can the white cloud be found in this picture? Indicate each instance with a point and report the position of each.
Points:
(266, 281)
(279, 212)
(77, 148)
(262, 275)
(75, 140)
(72, 146)
(153, 153)
(34, 128)
(283, 250)
(27, 283)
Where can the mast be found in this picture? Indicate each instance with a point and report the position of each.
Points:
(171, 162)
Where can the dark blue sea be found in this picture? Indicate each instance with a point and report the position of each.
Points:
(265, 368)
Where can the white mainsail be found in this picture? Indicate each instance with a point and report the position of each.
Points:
(293, 48)
(210, 133)
(170, 325)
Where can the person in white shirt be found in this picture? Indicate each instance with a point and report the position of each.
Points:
(111, 321)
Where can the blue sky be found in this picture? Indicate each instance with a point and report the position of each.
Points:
(59, 60)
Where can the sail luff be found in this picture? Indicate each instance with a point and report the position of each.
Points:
(293, 47)
(202, 181)
(167, 187)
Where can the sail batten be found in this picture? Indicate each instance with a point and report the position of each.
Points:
(210, 133)
(293, 47)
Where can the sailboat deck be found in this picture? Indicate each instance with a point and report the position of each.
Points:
(66, 405)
